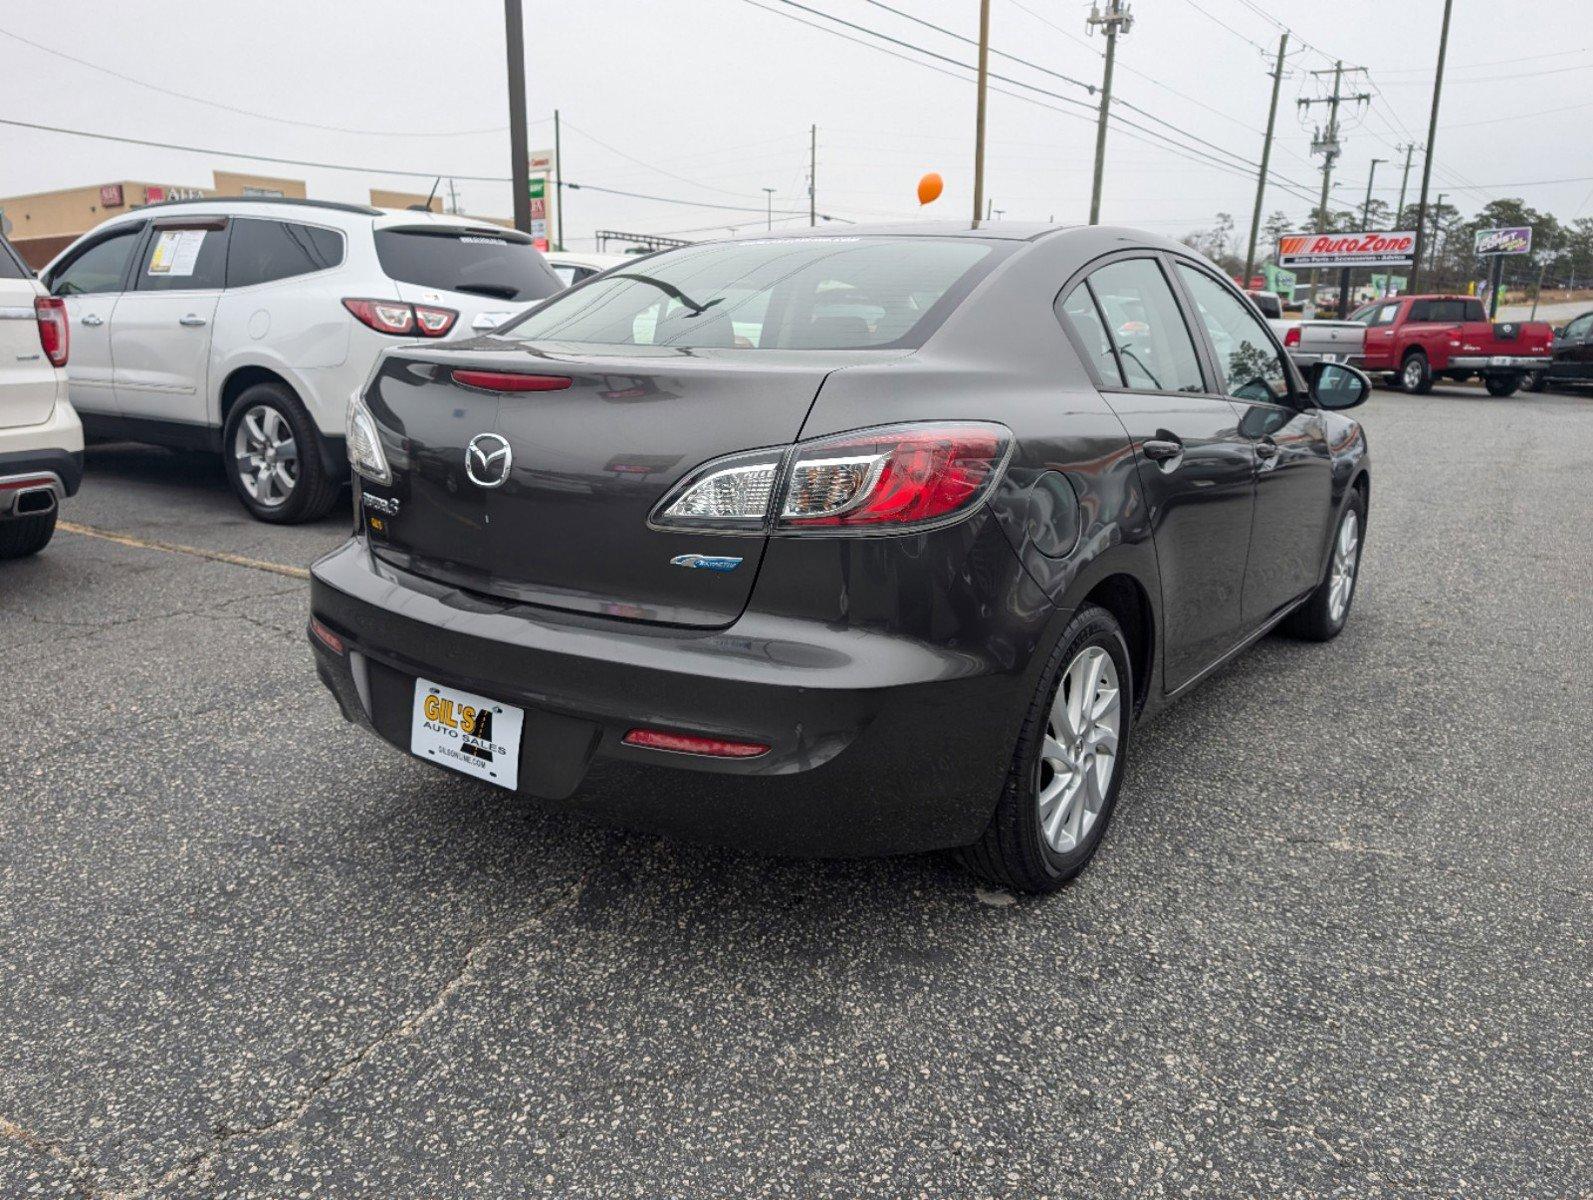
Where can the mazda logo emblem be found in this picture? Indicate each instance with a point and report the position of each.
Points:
(487, 460)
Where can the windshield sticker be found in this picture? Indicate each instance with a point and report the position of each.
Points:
(176, 252)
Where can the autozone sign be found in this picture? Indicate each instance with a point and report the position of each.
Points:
(1296, 250)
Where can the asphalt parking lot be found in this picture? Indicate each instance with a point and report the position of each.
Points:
(1336, 942)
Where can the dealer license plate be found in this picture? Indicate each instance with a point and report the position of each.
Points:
(468, 733)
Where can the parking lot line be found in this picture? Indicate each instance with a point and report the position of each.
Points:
(236, 560)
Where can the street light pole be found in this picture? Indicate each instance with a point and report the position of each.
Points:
(519, 149)
(769, 193)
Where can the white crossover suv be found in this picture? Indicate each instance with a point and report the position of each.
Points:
(242, 326)
(41, 442)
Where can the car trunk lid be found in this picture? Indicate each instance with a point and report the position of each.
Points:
(568, 525)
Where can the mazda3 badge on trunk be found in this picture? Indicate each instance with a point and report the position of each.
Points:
(841, 543)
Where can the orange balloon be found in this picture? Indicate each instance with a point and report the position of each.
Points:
(929, 188)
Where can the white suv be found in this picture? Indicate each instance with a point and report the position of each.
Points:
(242, 326)
(41, 442)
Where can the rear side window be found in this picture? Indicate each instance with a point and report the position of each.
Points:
(1080, 312)
(184, 258)
(261, 251)
(1153, 343)
(100, 268)
(819, 293)
(10, 265)
(476, 263)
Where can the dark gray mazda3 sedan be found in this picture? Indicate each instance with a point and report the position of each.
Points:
(842, 543)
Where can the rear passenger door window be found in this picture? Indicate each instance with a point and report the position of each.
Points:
(263, 251)
(1251, 365)
(1147, 330)
(184, 258)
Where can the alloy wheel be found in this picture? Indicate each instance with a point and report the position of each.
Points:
(1346, 557)
(1079, 755)
(267, 456)
(1413, 373)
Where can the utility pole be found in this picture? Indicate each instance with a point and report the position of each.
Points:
(1432, 143)
(1266, 155)
(519, 150)
(1117, 18)
(1326, 143)
(1404, 182)
(769, 194)
(813, 175)
(1366, 222)
(1433, 261)
(558, 180)
(453, 198)
(979, 118)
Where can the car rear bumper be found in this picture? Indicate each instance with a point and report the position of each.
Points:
(1499, 362)
(1309, 357)
(879, 742)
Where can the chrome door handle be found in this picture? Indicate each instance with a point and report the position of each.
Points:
(192, 320)
(1158, 450)
(92, 319)
(1266, 450)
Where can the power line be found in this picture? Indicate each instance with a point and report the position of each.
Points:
(327, 166)
(232, 108)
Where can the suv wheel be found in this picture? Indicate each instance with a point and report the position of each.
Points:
(272, 452)
(1068, 764)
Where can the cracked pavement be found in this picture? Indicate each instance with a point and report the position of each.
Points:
(1336, 942)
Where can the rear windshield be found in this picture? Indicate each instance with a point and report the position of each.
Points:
(473, 261)
(771, 294)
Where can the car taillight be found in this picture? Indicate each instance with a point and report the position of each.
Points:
(55, 335)
(400, 319)
(873, 480)
(1292, 337)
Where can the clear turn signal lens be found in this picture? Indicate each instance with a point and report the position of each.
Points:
(731, 494)
(365, 453)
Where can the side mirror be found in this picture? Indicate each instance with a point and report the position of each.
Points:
(1337, 385)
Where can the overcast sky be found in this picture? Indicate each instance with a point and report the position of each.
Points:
(710, 101)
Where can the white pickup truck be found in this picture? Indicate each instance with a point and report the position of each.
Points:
(1325, 341)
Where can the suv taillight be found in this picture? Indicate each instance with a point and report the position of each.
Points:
(55, 336)
(402, 319)
(882, 480)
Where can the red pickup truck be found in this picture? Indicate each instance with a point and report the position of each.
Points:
(1417, 339)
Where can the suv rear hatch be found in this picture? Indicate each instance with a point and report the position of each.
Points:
(486, 274)
(568, 528)
(27, 377)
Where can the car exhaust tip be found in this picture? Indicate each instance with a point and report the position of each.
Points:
(35, 502)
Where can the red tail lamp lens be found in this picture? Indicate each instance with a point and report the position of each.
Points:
(434, 322)
(686, 743)
(1292, 337)
(55, 336)
(384, 316)
(902, 475)
(511, 381)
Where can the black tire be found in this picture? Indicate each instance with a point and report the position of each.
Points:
(1502, 385)
(1014, 853)
(1314, 621)
(1415, 374)
(1537, 381)
(23, 536)
(313, 490)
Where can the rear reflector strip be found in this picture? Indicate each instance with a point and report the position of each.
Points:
(686, 743)
(509, 381)
(27, 481)
(326, 637)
